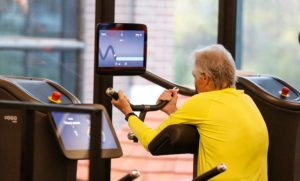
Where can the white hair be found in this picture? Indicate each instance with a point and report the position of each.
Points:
(217, 63)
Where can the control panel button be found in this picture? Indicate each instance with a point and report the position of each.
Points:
(55, 97)
(284, 92)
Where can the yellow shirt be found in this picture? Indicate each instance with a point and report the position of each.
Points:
(231, 128)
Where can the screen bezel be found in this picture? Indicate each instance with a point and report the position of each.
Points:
(84, 154)
(120, 70)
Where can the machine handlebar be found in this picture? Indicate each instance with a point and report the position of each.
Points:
(211, 173)
(130, 176)
(142, 108)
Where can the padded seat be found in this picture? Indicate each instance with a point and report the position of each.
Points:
(177, 139)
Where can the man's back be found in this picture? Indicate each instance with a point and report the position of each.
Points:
(231, 128)
(232, 131)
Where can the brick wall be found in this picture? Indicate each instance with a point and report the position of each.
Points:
(158, 16)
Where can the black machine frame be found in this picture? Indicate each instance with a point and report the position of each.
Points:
(79, 154)
(28, 135)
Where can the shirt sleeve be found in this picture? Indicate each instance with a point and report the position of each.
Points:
(145, 134)
(141, 131)
(183, 115)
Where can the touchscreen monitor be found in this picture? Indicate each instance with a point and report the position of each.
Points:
(73, 134)
(121, 49)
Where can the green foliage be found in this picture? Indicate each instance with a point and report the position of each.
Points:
(270, 45)
(269, 36)
(196, 27)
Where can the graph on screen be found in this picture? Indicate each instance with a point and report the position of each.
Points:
(109, 48)
(123, 48)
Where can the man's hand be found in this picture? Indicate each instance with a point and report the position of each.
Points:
(122, 103)
(170, 96)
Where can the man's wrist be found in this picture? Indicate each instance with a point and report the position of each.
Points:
(129, 114)
(169, 112)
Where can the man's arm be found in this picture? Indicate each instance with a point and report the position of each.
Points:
(144, 134)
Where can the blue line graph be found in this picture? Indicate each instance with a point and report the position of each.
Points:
(111, 48)
(120, 48)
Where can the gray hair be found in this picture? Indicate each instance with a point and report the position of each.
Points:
(217, 63)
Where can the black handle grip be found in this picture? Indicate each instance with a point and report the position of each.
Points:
(131, 136)
(113, 94)
(130, 176)
(211, 173)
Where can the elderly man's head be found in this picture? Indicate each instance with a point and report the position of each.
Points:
(214, 69)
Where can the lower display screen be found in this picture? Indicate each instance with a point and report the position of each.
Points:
(74, 130)
(73, 134)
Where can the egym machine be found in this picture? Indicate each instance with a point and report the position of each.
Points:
(278, 102)
(121, 50)
(48, 160)
(62, 130)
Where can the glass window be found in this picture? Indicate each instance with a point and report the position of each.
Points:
(175, 29)
(269, 38)
(39, 39)
(51, 39)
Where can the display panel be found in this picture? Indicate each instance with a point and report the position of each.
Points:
(73, 133)
(121, 49)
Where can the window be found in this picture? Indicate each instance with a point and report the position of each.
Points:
(269, 38)
(38, 38)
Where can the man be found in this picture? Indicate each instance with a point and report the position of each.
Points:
(231, 128)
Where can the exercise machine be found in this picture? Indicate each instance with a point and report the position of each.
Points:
(48, 160)
(174, 139)
(60, 137)
(279, 104)
(277, 101)
(121, 49)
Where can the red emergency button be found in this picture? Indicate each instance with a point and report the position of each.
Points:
(284, 92)
(55, 97)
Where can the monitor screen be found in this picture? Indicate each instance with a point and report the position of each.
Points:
(73, 133)
(121, 49)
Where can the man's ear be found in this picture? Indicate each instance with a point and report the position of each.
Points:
(205, 79)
